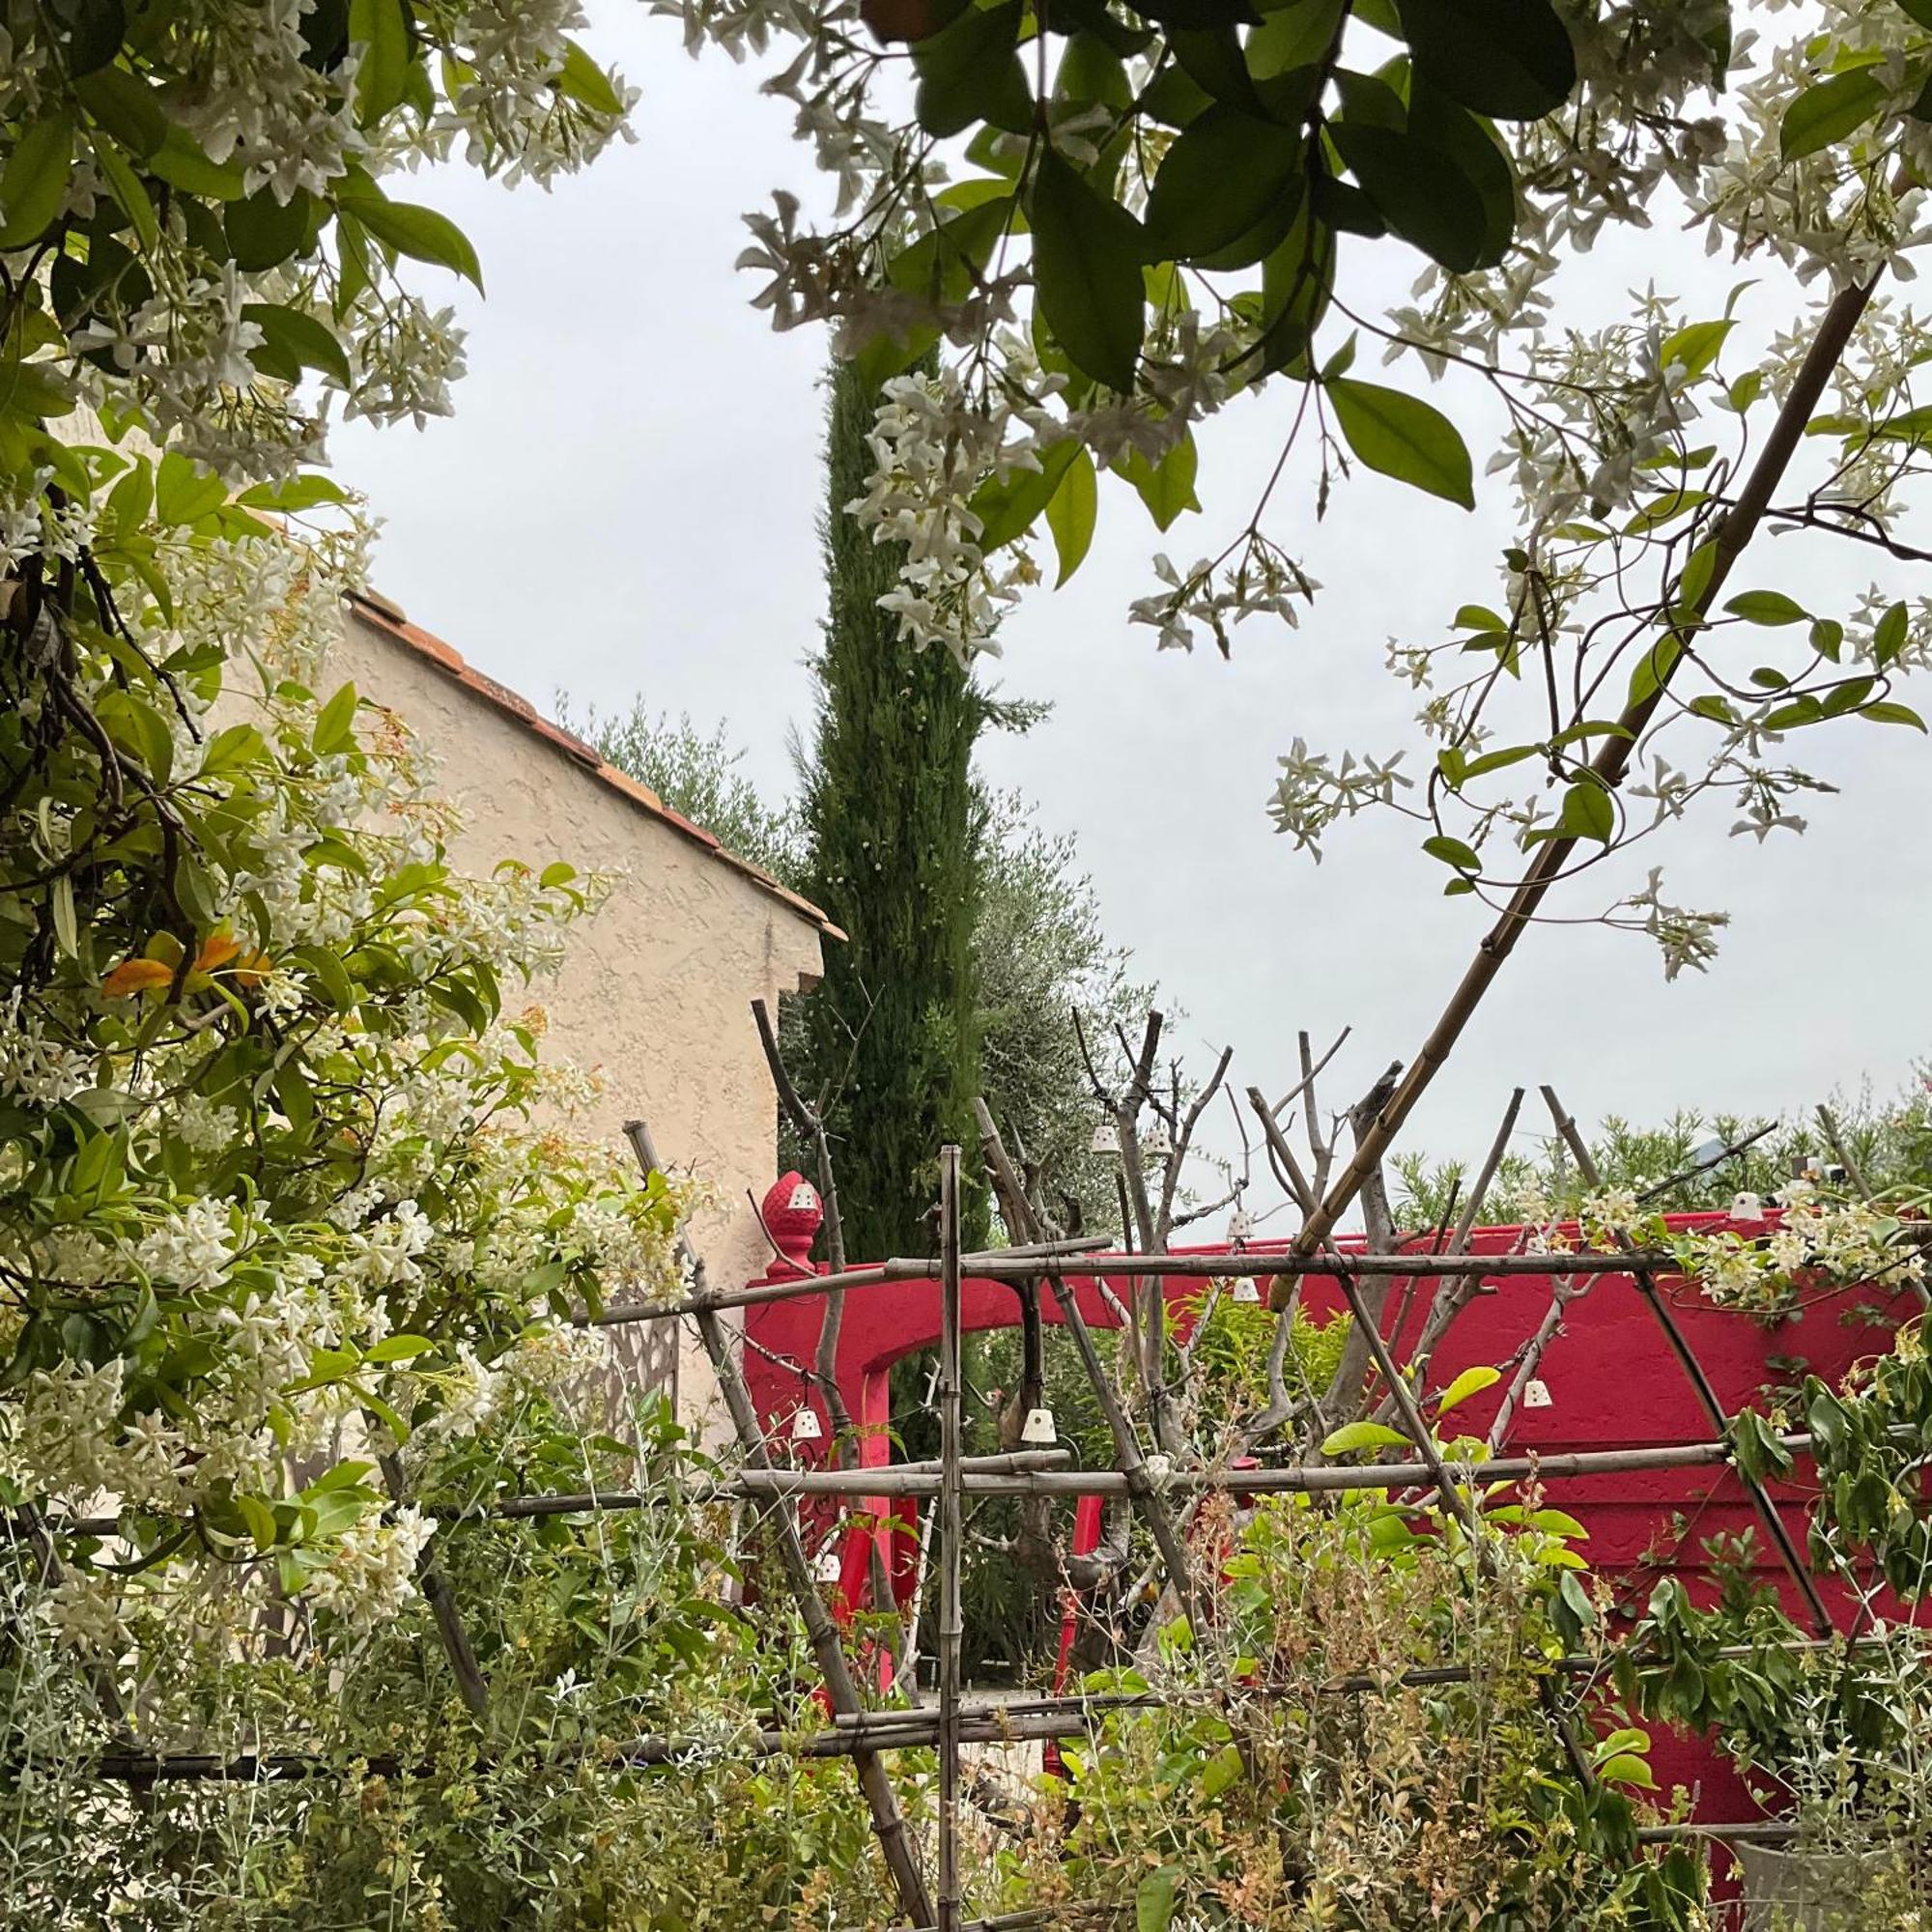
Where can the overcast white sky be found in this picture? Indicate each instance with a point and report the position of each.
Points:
(624, 503)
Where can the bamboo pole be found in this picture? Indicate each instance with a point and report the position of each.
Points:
(1706, 1396)
(1046, 1261)
(1135, 1479)
(951, 1535)
(1734, 532)
(914, 1728)
(767, 1482)
(842, 1693)
(442, 1601)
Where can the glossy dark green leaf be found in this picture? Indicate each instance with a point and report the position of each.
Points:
(294, 340)
(263, 233)
(1419, 191)
(1511, 59)
(413, 230)
(1175, 98)
(125, 186)
(128, 107)
(180, 163)
(1890, 632)
(1218, 180)
(92, 32)
(1480, 158)
(1090, 70)
(971, 71)
(1213, 59)
(35, 182)
(1008, 509)
(1198, 15)
(1297, 279)
(1403, 436)
(1087, 272)
(1829, 111)
(379, 29)
(1293, 37)
(1885, 712)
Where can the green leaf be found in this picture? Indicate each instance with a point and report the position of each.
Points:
(32, 391)
(1007, 510)
(331, 975)
(263, 233)
(1769, 607)
(294, 340)
(399, 1347)
(1480, 158)
(126, 107)
(1166, 487)
(335, 723)
(1653, 668)
(35, 182)
(1223, 1771)
(1587, 812)
(1070, 514)
(185, 494)
(1471, 1382)
(1696, 346)
(1087, 273)
(1511, 59)
(1219, 179)
(413, 230)
(380, 31)
(1578, 1598)
(1453, 852)
(1154, 1901)
(1353, 1435)
(294, 493)
(125, 186)
(1829, 111)
(971, 71)
(1404, 437)
(1885, 712)
(260, 1518)
(1626, 1768)
(1889, 634)
(233, 748)
(1418, 190)
(180, 163)
(582, 80)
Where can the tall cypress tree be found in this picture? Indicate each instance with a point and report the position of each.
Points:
(894, 829)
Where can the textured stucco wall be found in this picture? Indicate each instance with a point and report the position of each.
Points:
(656, 992)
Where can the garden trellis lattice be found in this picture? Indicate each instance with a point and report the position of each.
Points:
(867, 1736)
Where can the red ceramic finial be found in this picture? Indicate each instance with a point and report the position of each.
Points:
(793, 1212)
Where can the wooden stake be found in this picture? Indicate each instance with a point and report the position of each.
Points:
(951, 1535)
(1609, 767)
(840, 1691)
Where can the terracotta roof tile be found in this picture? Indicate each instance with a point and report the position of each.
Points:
(380, 615)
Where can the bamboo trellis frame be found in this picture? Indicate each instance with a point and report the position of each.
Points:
(865, 1736)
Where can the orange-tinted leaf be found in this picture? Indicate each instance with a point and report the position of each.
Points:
(136, 976)
(216, 951)
(251, 968)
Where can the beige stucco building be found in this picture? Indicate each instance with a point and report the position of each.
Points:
(657, 992)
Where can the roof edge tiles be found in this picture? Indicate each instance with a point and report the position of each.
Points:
(380, 613)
